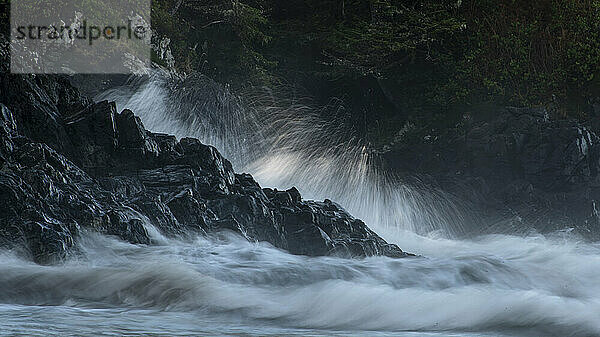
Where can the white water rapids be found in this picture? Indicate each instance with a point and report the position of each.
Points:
(494, 285)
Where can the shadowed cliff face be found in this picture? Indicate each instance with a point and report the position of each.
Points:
(524, 168)
(69, 165)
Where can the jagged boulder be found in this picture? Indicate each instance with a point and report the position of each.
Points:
(96, 169)
(45, 200)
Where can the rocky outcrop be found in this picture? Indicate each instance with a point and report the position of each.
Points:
(69, 165)
(523, 169)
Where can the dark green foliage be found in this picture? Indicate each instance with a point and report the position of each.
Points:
(4, 17)
(389, 60)
(216, 37)
(4, 35)
(526, 52)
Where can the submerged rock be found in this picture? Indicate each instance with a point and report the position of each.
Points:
(68, 165)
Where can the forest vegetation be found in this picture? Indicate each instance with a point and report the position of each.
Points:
(387, 61)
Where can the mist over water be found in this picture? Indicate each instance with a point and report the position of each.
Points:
(494, 285)
(498, 285)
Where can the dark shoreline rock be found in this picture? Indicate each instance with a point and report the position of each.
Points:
(522, 169)
(68, 164)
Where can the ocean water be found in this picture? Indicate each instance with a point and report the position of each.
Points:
(225, 286)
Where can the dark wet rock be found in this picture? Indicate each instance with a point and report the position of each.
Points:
(332, 230)
(230, 223)
(524, 165)
(131, 230)
(38, 104)
(121, 187)
(69, 165)
(93, 135)
(133, 139)
(190, 212)
(257, 220)
(157, 212)
(45, 199)
(8, 130)
(48, 242)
